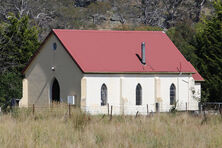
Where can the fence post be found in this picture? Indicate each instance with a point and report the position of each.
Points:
(69, 111)
(33, 109)
(108, 108)
(205, 116)
(157, 107)
(137, 113)
(147, 109)
(111, 112)
(52, 105)
(201, 108)
(220, 110)
(186, 106)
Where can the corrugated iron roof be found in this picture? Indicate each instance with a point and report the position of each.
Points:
(119, 51)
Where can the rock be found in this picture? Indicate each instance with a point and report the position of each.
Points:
(115, 18)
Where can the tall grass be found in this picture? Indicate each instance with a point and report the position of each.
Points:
(49, 128)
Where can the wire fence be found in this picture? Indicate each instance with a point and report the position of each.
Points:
(141, 109)
(65, 112)
(63, 109)
(109, 109)
(211, 107)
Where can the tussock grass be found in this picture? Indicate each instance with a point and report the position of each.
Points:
(49, 128)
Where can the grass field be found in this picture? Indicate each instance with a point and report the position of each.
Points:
(52, 128)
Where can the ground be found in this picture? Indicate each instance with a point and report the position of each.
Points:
(54, 127)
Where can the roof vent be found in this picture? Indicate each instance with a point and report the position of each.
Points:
(143, 56)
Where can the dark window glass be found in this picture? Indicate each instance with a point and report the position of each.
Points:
(54, 46)
(138, 95)
(172, 94)
(55, 91)
(103, 95)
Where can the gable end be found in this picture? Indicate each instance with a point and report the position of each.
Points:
(40, 48)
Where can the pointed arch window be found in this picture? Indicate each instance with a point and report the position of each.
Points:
(103, 95)
(172, 94)
(55, 91)
(138, 94)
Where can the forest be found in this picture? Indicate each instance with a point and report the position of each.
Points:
(193, 25)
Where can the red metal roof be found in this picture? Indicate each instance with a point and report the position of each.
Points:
(196, 76)
(116, 52)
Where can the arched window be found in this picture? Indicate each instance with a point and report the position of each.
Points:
(103, 95)
(138, 94)
(172, 94)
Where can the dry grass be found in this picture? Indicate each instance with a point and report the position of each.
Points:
(53, 128)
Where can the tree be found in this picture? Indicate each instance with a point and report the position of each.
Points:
(137, 28)
(209, 51)
(126, 11)
(167, 13)
(18, 42)
(182, 36)
(83, 3)
(96, 11)
(152, 12)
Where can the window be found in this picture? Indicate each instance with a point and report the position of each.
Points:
(103, 95)
(138, 95)
(54, 46)
(172, 94)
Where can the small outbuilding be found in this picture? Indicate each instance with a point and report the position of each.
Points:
(128, 70)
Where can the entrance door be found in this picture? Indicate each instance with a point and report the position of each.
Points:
(55, 91)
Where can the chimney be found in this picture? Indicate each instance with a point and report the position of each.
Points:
(143, 56)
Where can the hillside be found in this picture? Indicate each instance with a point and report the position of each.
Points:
(105, 14)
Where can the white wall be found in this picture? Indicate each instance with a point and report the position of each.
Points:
(197, 93)
(93, 95)
(122, 92)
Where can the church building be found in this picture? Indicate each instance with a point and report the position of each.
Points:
(132, 71)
